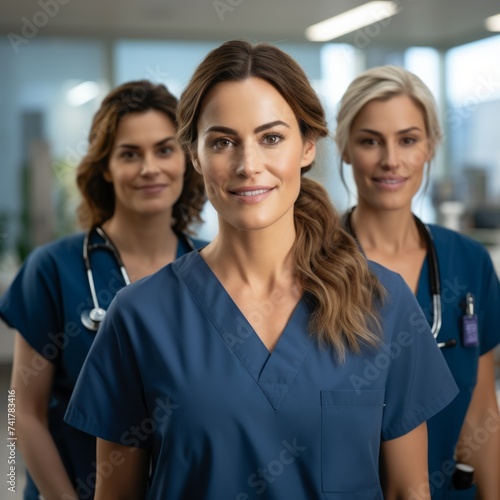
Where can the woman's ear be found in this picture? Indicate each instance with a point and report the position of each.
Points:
(431, 150)
(346, 158)
(308, 153)
(196, 163)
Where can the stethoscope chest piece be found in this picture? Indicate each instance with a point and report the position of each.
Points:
(93, 318)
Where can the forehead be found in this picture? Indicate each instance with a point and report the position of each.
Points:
(252, 101)
(397, 112)
(151, 122)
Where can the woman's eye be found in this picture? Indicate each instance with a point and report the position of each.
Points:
(221, 143)
(409, 140)
(272, 139)
(368, 142)
(129, 155)
(165, 151)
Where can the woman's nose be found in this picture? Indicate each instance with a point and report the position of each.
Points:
(390, 157)
(248, 161)
(149, 165)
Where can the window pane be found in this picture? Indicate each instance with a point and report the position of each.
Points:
(473, 91)
(36, 113)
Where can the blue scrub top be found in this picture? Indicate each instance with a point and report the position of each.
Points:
(176, 368)
(44, 303)
(464, 266)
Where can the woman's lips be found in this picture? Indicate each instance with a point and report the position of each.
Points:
(253, 194)
(152, 188)
(389, 183)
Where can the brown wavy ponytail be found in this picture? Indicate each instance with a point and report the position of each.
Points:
(328, 264)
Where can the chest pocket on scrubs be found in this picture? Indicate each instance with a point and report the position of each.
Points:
(351, 423)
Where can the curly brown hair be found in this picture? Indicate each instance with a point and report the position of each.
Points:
(98, 196)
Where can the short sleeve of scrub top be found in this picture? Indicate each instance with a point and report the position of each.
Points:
(32, 304)
(44, 303)
(177, 368)
(41, 300)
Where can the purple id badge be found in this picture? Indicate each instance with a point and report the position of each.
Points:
(470, 333)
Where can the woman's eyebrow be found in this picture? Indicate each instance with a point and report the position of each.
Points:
(260, 128)
(377, 133)
(159, 143)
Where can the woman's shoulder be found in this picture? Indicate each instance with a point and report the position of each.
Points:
(451, 240)
(59, 251)
(390, 280)
(159, 284)
(397, 297)
(41, 276)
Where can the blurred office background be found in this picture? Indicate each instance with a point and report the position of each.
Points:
(58, 58)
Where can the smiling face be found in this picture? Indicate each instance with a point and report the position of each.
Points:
(250, 152)
(388, 148)
(146, 165)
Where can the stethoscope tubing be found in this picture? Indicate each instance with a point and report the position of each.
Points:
(93, 318)
(109, 246)
(434, 278)
(435, 282)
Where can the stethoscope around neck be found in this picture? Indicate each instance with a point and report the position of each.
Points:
(435, 284)
(93, 318)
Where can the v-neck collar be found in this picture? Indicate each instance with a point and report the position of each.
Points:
(274, 371)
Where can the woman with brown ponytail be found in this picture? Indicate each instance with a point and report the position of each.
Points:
(274, 361)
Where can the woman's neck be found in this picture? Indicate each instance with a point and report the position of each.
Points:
(144, 245)
(389, 231)
(391, 238)
(259, 259)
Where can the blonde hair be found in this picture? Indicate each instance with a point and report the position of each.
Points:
(329, 266)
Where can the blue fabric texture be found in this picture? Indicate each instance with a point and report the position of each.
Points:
(177, 369)
(44, 303)
(465, 267)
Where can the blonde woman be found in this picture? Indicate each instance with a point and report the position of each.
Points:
(388, 130)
